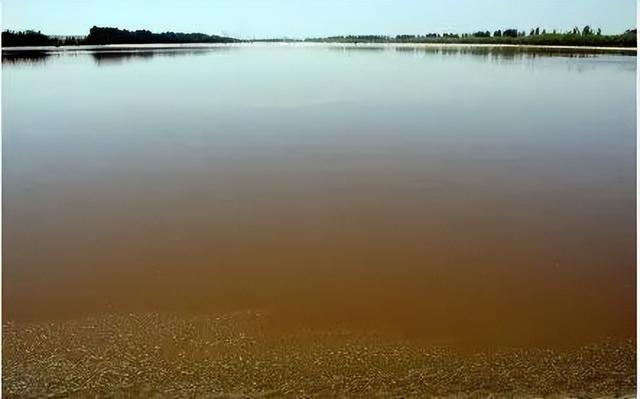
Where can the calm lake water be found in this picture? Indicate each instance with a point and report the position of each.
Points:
(451, 196)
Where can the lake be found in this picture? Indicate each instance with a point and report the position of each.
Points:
(456, 196)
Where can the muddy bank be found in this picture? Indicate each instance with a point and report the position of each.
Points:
(151, 355)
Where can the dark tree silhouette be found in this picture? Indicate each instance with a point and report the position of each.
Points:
(510, 33)
(27, 38)
(108, 35)
(482, 34)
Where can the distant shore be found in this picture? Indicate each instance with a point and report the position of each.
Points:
(317, 44)
(105, 35)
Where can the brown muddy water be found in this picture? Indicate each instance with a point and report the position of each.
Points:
(475, 197)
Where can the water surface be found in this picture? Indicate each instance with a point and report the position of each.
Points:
(447, 195)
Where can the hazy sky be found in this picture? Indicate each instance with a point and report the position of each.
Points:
(304, 18)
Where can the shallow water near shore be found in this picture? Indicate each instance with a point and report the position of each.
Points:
(460, 197)
(229, 356)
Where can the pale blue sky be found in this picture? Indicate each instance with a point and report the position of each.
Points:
(305, 18)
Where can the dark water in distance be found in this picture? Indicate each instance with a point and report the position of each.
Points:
(452, 196)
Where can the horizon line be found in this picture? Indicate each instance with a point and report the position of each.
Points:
(254, 37)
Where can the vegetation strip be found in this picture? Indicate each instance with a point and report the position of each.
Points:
(586, 36)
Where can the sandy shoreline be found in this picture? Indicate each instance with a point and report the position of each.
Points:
(151, 355)
(315, 44)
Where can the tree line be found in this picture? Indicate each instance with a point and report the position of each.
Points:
(586, 36)
(27, 38)
(108, 35)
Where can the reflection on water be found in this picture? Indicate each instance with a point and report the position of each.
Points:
(118, 57)
(486, 51)
(441, 194)
(25, 57)
(102, 57)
